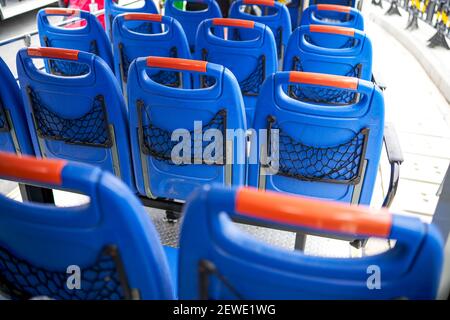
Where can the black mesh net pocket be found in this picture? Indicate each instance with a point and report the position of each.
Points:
(318, 94)
(89, 129)
(338, 164)
(70, 68)
(157, 142)
(168, 78)
(4, 126)
(104, 280)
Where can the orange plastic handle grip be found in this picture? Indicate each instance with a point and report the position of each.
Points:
(55, 53)
(314, 214)
(143, 17)
(269, 3)
(322, 79)
(228, 22)
(333, 7)
(177, 63)
(332, 29)
(27, 168)
(62, 11)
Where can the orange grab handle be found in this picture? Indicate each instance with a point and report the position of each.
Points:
(55, 53)
(31, 169)
(228, 22)
(62, 11)
(333, 7)
(269, 3)
(143, 17)
(177, 63)
(322, 79)
(314, 214)
(332, 29)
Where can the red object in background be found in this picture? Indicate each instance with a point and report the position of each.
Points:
(84, 5)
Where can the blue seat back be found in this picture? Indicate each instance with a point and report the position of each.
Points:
(330, 14)
(81, 118)
(218, 260)
(190, 20)
(130, 44)
(349, 3)
(110, 242)
(322, 151)
(113, 9)
(90, 37)
(294, 12)
(250, 61)
(156, 111)
(14, 134)
(309, 53)
(274, 14)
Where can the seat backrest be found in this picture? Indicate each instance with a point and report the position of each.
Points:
(130, 44)
(274, 14)
(316, 150)
(113, 9)
(334, 15)
(90, 37)
(336, 50)
(14, 134)
(81, 118)
(163, 119)
(349, 3)
(250, 61)
(190, 20)
(218, 260)
(110, 243)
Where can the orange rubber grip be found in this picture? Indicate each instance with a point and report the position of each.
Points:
(31, 169)
(315, 214)
(269, 3)
(177, 63)
(333, 7)
(322, 79)
(56, 53)
(332, 29)
(228, 22)
(143, 17)
(62, 11)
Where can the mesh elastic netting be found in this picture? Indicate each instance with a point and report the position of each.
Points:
(168, 78)
(19, 279)
(89, 129)
(158, 144)
(318, 94)
(70, 68)
(3, 123)
(339, 163)
(251, 85)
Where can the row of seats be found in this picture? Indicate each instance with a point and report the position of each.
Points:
(114, 243)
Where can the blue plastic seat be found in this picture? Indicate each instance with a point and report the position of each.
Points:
(90, 37)
(349, 3)
(130, 44)
(274, 14)
(294, 12)
(190, 20)
(81, 118)
(113, 9)
(251, 61)
(110, 242)
(218, 260)
(322, 151)
(162, 117)
(14, 134)
(331, 50)
(335, 15)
